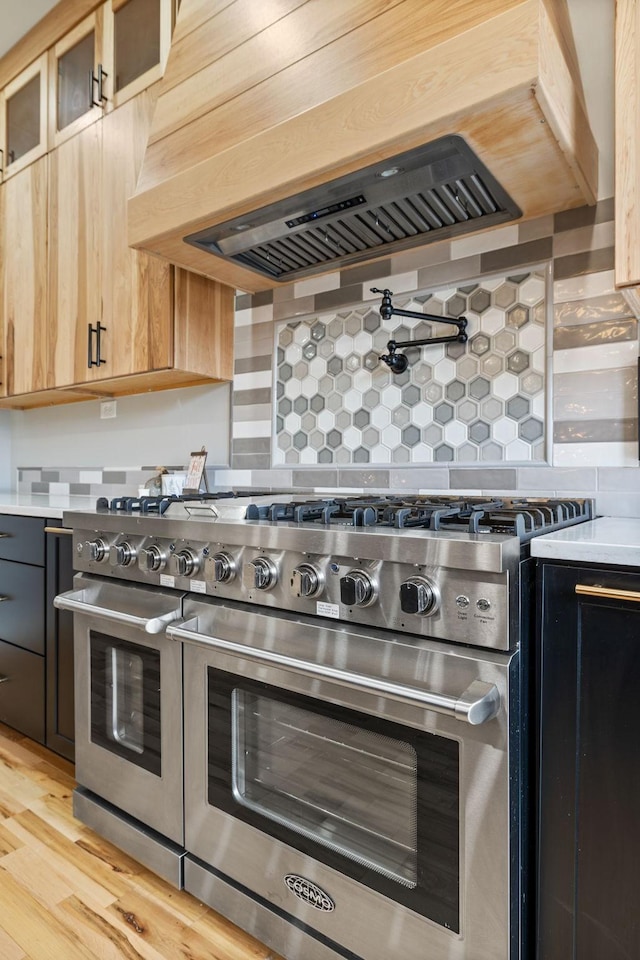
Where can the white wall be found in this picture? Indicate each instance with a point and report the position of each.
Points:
(6, 474)
(150, 429)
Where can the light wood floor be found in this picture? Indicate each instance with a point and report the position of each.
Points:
(66, 894)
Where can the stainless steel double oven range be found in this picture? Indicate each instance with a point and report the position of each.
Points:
(312, 714)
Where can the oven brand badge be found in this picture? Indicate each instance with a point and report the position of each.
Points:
(309, 893)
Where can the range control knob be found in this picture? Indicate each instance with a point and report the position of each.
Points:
(358, 589)
(260, 574)
(306, 581)
(184, 563)
(419, 596)
(224, 567)
(152, 559)
(121, 554)
(95, 550)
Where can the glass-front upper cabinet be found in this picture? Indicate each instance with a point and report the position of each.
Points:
(23, 119)
(141, 38)
(80, 69)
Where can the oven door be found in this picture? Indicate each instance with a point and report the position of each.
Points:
(355, 782)
(128, 699)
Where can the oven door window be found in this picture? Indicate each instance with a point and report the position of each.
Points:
(125, 700)
(373, 799)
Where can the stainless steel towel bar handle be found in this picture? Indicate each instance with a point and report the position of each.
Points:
(148, 624)
(607, 593)
(479, 702)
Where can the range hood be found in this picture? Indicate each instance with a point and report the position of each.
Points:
(272, 132)
(430, 193)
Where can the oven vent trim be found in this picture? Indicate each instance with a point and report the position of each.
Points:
(431, 193)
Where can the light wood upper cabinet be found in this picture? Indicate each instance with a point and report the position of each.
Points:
(111, 56)
(111, 305)
(3, 378)
(23, 265)
(136, 289)
(121, 321)
(76, 212)
(80, 65)
(23, 119)
(82, 314)
(627, 150)
(141, 39)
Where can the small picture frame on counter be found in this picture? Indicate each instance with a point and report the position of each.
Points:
(196, 473)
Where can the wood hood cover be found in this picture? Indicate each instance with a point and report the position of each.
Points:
(265, 99)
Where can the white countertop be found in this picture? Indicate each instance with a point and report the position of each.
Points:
(43, 504)
(614, 540)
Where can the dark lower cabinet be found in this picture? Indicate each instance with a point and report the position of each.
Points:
(59, 647)
(36, 643)
(589, 741)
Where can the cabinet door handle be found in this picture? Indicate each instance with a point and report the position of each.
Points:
(97, 333)
(97, 81)
(607, 593)
(1, 161)
(102, 76)
(90, 361)
(4, 678)
(4, 598)
(67, 530)
(3, 535)
(99, 329)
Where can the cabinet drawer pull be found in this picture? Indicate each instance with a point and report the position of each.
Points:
(4, 535)
(66, 530)
(608, 593)
(4, 678)
(4, 598)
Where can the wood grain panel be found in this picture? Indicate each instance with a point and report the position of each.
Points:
(627, 139)
(233, 26)
(558, 13)
(204, 326)
(381, 43)
(105, 389)
(75, 170)
(288, 93)
(60, 20)
(193, 15)
(24, 268)
(136, 288)
(565, 112)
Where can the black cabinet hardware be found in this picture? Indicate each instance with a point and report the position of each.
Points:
(95, 332)
(97, 81)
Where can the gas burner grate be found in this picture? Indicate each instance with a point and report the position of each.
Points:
(514, 516)
(158, 505)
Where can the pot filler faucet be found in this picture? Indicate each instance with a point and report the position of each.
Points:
(398, 362)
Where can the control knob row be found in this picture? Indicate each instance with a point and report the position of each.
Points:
(418, 595)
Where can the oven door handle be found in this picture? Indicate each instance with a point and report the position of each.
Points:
(479, 702)
(70, 601)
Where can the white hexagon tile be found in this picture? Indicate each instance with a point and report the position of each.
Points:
(483, 401)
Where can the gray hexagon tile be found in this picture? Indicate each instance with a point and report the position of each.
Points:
(483, 401)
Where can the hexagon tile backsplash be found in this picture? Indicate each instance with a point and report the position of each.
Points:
(483, 401)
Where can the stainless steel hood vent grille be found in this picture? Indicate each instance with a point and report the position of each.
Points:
(430, 193)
